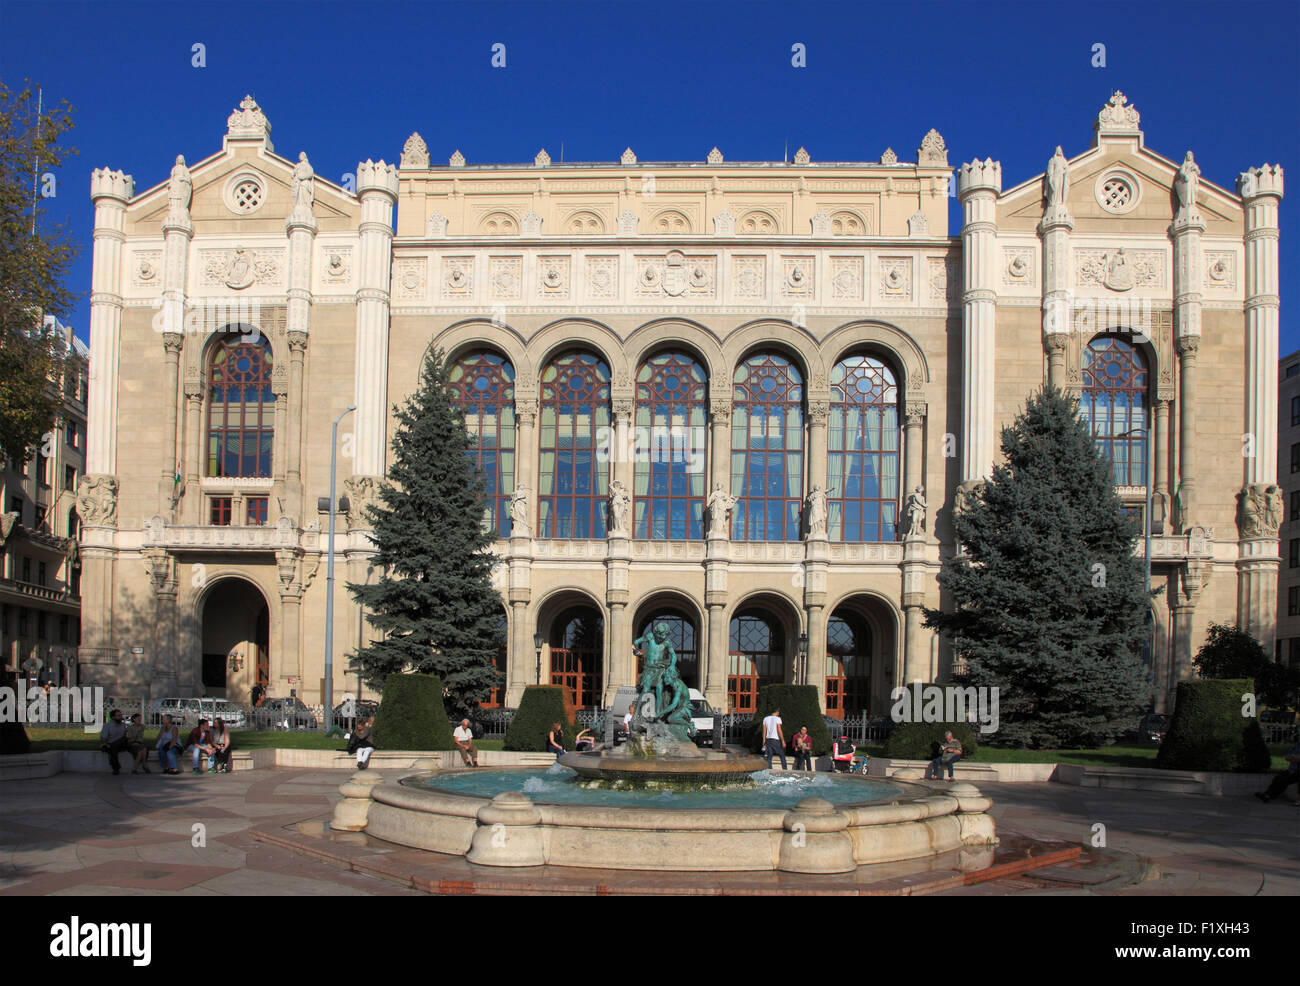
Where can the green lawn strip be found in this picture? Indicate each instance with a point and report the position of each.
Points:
(44, 740)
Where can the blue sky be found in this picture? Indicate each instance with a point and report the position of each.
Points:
(350, 80)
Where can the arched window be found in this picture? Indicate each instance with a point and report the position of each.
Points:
(483, 387)
(241, 408)
(848, 664)
(1114, 405)
(862, 443)
(756, 658)
(577, 642)
(767, 449)
(670, 462)
(574, 423)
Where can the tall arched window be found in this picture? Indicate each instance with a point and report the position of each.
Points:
(767, 449)
(848, 664)
(483, 386)
(756, 658)
(1114, 404)
(241, 408)
(671, 390)
(862, 442)
(574, 413)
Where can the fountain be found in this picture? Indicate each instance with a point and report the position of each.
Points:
(660, 803)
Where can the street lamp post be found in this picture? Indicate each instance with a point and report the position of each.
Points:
(803, 658)
(328, 696)
(538, 640)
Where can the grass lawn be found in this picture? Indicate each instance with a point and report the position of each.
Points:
(1107, 756)
(44, 740)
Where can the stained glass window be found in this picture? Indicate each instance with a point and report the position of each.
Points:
(241, 408)
(1114, 404)
(767, 449)
(863, 451)
(483, 386)
(573, 437)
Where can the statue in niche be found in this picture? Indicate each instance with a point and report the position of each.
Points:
(915, 513)
(180, 191)
(519, 512)
(817, 512)
(1119, 272)
(1058, 180)
(303, 193)
(1186, 183)
(620, 502)
(720, 505)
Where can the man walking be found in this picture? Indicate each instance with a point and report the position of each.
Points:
(464, 737)
(774, 739)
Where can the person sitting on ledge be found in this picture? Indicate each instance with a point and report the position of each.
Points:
(169, 741)
(112, 738)
(221, 746)
(464, 738)
(199, 742)
(361, 743)
(1284, 778)
(555, 740)
(583, 741)
(136, 746)
(949, 753)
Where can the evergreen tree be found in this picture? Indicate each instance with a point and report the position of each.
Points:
(434, 602)
(1231, 652)
(1047, 595)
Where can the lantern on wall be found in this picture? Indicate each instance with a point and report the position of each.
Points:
(236, 662)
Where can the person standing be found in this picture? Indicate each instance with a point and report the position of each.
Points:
(774, 739)
(802, 743)
(464, 738)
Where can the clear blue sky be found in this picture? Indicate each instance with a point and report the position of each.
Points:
(350, 80)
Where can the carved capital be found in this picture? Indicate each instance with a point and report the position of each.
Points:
(286, 564)
(172, 342)
(161, 567)
(720, 410)
(1187, 345)
(1056, 343)
(622, 407)
(819, 412)
(914, 413)
(297, 341)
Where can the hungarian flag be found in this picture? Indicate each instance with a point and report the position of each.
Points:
(176, 483)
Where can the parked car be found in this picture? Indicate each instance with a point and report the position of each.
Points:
(287, 713)
(353, 708)
(702, 714)
(188, 711)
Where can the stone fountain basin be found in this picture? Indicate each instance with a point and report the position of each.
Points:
(812, 837)
(705, 767)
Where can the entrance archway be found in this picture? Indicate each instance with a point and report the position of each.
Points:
(236, 640)
(848, 663)
(756, 657)
(577, 643)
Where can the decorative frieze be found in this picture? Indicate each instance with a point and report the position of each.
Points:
(1220, 270)
(553, 277)
(410, 278)
(1120, 270)
(748, 276)
(895, 275)
(797, 277)
(602, 277)
(1018, 267)
(240, 268)
(676, 275)
(505, 277)
(336, 266)
(846, 278)
(457, 277)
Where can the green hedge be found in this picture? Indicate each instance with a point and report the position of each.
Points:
(1208, 731)
(540, 706)
(13, 738)
(411, 715)
(799, 707)
(916, 740)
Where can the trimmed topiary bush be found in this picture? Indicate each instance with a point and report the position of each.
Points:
(411, 715)
(13, 738)
(921, 740)
(540, 706)
(1208, 731)
(799, 707)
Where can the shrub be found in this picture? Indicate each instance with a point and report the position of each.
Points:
(799, 707)
(1208, 731)
(920, 740)
(13, 738)
(411, 715)
(540, 706)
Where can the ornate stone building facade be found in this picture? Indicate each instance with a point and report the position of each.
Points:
(738, 398)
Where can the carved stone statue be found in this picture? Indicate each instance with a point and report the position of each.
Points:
(1186, 183)
(817, 512)
(620, 504)
(303, 192)
(1058, 180)
(720, 505)
(180, 191)
(519, 512)
(97, 501)
(363, 492)
(915, 513)
(968, 494)
(1260, 511)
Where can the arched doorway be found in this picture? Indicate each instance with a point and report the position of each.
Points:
(756, 656)
(577, 642)
(236, 640)
(848, 663)
(683, 634)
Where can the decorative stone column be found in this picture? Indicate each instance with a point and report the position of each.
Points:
(1186, 230)
(164, 676)
(97, 493)
(1261, 500)
(713, 669)
(916, 640)
(192, 502)
(377, 190)
(1160, 460)
(621, 667)
(294, 424)
(300, 228)
(1054, 232)
(978, 187)
(817, 547)
(168, 489)
(178, 230)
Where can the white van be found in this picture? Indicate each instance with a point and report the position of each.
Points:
(188, 711)
(702, 714)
